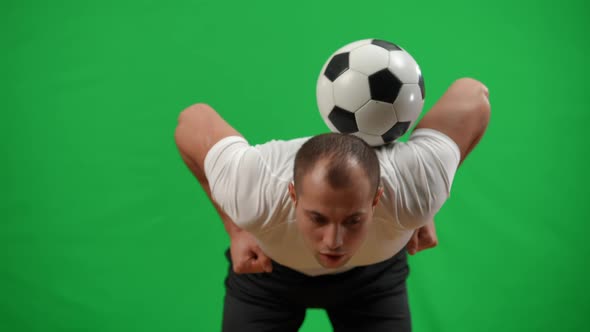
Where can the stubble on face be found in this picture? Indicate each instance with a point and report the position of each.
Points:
(333, 221)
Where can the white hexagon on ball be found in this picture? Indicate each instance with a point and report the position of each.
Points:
(351, 90)
(408, 104)
(404, 67)
(375, 117)
(353, 45)
(369, 59)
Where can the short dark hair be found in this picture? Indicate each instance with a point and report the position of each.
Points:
(338, 150)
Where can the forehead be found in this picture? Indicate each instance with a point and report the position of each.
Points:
(337, 173)
(319, 194)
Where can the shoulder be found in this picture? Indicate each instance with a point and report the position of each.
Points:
(434, 139)
(280, 146)
(225, 149)
(273, 153)
(249, 181)
(417, 175)
(424, 143)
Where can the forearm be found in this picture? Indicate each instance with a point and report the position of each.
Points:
(199, 128)
(230, 227)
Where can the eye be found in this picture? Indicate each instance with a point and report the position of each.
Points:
(318, 220)
(352, 222)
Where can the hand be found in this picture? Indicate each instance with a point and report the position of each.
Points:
(246, 255)
(423, 238)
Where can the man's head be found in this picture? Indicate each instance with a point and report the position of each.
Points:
(335, 190)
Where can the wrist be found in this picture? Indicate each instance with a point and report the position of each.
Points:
(233, 232)
(231, 229)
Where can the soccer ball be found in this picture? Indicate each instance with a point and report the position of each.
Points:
(372, 89)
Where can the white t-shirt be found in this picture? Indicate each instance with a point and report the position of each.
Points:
(250, 183)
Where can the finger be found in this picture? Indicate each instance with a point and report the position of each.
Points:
(266, 263)
(256, 262)
(249, 266)
(263, 260)
(240, 260)
(413, 243)
(240, 268)
(256, 266)
(243, 261)
(428, 236)
(427, 240)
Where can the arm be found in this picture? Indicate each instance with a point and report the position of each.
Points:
(462, 113)
(199, 128)
(423, 238)
(418, 174)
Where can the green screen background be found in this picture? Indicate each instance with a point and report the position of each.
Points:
(104, 229)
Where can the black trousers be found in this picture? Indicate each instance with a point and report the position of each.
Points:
(371, 298)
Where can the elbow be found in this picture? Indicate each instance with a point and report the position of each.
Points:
(484, 111)
(481, 112)
(194, 113)
(189, 119)
(187, 125)
(477, 101)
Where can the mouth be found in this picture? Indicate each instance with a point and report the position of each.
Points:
(332, 259)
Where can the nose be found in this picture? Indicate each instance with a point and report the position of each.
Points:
(333, 237)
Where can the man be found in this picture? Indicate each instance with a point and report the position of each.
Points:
(328, 217)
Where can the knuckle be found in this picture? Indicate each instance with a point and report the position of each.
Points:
(239, 268)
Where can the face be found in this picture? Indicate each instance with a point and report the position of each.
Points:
(334, 222)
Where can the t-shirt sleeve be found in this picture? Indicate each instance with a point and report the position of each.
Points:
(417, 176)
(240, 182)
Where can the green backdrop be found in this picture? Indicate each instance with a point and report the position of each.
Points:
(104, 229)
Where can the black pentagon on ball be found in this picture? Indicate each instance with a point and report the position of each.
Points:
(384, 86)
(337, 66)
(343, 120)
(421, 84)
(396, 131)
(386, 45)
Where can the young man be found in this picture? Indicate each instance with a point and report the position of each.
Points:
(328, 216)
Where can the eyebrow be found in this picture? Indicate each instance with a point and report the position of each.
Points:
(356, 214)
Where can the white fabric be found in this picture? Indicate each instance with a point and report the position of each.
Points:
(250, 183)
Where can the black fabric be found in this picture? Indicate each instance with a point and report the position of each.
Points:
(370, 298)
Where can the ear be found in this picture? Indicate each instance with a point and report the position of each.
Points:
(292, 193)
(377, 196)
